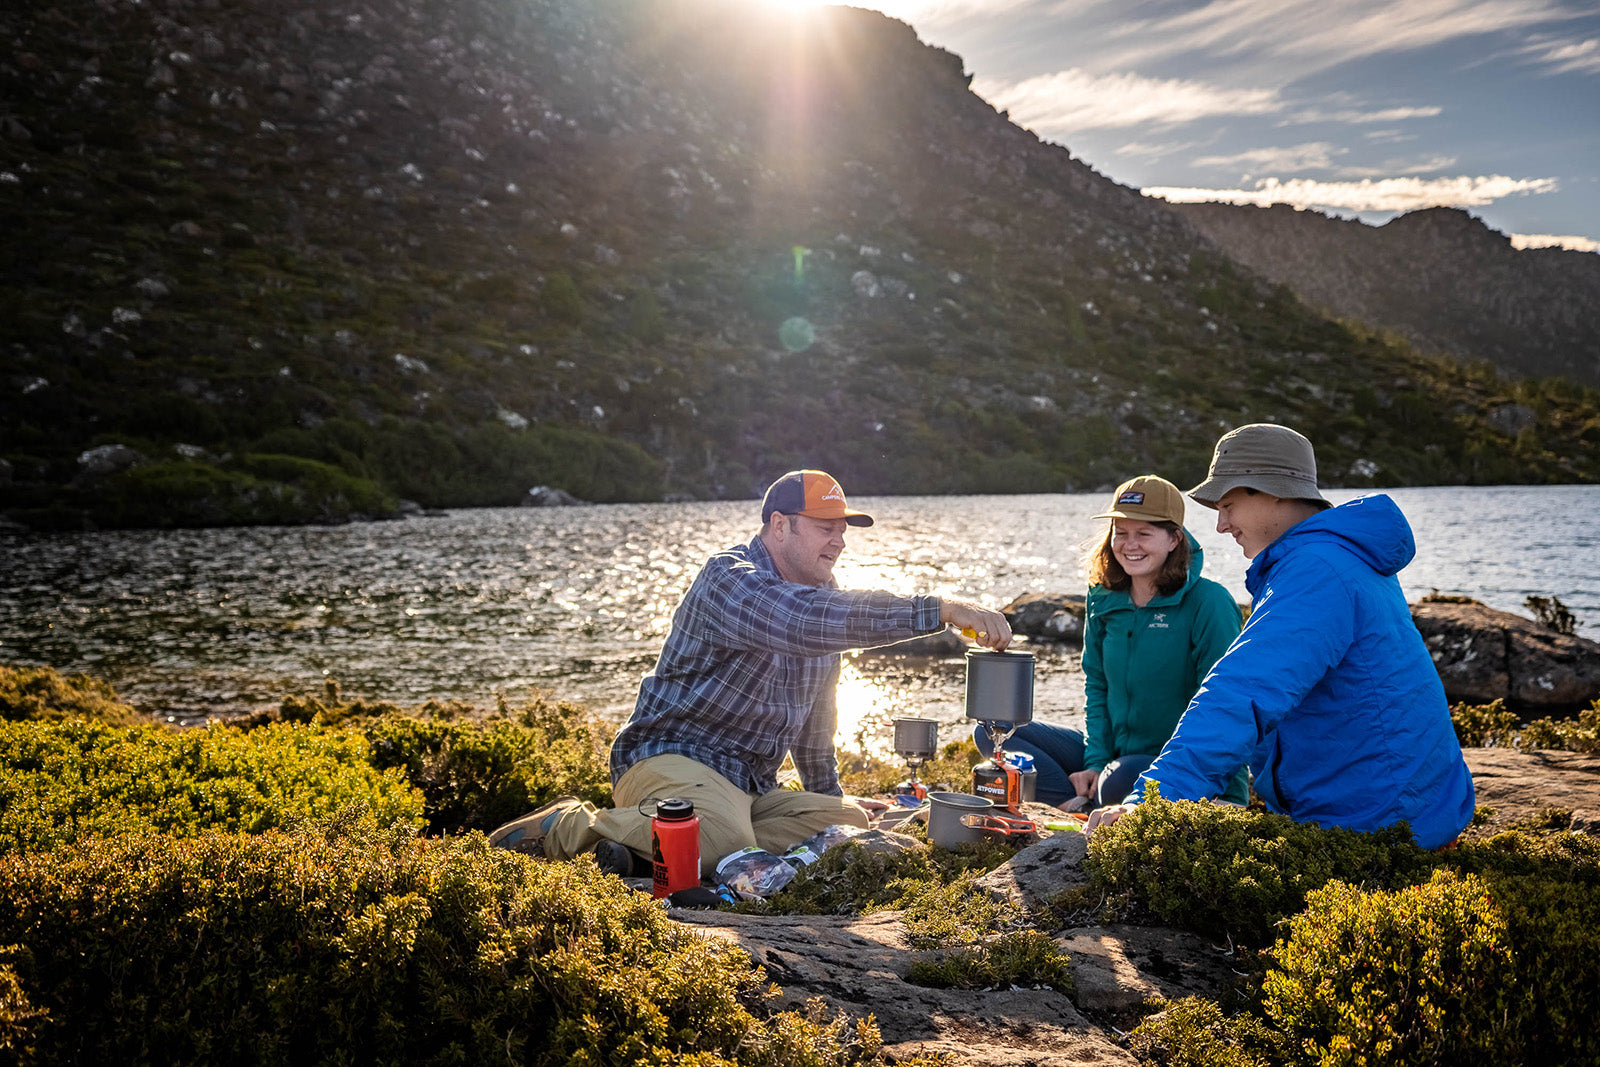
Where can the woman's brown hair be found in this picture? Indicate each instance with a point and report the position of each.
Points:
(1105, 570)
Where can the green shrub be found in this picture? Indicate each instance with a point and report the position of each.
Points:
(18, 1016)
(1422, 975)
(67, 781)
(1225, 870)
(1491, 725)
(1027, 958)
(360, 945)
(475, 771)
(939, 914)
(1564, 734)
(251, 489)
(561, 300)
(1193, 1032)
(848, 879)
(1484, 725)
(862, 775)
(41, 694)
(1552, 614)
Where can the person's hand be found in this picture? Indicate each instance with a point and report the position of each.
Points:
(984, 625)
(1106, 816)
(870, 805)
(1084, 782)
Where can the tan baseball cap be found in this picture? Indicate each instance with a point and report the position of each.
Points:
(1148, 497)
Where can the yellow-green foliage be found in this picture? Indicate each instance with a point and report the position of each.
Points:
(476, 770)
(1491, 725)
(1193, 1032)
(848, 879)
(1564, 734)
(1495, 959)
(1422, 975)
(18, 1016)
(1226, 870)
(1022, 958)
(40, 693)
(364, 945)
(67, 781)
(869, 776)
(938, 914)
(1484, 725)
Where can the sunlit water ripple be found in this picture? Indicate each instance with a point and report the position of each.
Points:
(576, 601)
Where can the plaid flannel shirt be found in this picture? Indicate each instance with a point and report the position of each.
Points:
(750, 669)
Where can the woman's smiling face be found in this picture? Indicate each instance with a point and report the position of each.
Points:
(1141, 547)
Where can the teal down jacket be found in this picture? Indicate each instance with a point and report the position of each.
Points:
(1141, 665)
(1329, 692)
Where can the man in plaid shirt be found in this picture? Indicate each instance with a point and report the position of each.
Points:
(747, 676)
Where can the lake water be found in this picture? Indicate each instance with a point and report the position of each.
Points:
(576, 601)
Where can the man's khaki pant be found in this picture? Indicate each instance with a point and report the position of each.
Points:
(730, 818)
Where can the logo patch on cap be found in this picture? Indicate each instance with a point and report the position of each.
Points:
(834, 493)
(1132, 496)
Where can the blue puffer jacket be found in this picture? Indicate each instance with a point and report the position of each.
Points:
(1329, 692)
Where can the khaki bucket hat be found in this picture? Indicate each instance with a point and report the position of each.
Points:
(1264, 457)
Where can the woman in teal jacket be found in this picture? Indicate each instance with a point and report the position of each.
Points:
(1153, 628)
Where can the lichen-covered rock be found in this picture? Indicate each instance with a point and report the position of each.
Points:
(1483, 654)
(1052, 616)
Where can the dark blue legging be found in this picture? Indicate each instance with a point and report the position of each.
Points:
(1057, 752)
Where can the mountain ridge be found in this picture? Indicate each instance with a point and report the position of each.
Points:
(289, 258)
(1439, 277)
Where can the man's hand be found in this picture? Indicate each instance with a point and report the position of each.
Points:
(985, 626)
(1084, 782)
(1106, 816)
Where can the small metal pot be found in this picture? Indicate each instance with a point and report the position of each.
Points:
(916, 739)
(945, 810)
(1000, 686)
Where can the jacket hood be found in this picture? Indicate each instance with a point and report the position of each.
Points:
(1371, 528)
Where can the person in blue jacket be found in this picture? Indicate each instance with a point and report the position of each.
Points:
(1329, 692)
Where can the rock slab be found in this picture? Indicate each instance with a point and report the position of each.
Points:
(1483, 654)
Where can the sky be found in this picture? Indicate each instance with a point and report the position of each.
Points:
(1358, 108)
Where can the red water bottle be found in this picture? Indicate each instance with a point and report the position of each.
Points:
(674, 846)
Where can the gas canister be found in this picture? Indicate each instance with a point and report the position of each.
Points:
(1008, 783)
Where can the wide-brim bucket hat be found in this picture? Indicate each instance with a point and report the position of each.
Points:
(1265, 457)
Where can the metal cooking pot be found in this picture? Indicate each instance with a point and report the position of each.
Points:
(915, 738)
(945, 811)
(1000, 686)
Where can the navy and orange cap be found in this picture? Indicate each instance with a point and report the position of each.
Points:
(814, 494)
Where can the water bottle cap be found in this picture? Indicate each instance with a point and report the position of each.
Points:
(1020, 760)
(674, 809)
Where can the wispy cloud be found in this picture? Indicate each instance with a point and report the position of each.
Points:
(1564, 56)
(1070, 101)
(1360, 118)
(1388, 136)
(1401, 167)
(1295, 38)
(1386, 194)
(1154, 149)
(1307, 156)
(1550, 240)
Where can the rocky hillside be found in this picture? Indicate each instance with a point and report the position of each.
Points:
(1440, 278)
(284, 262)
